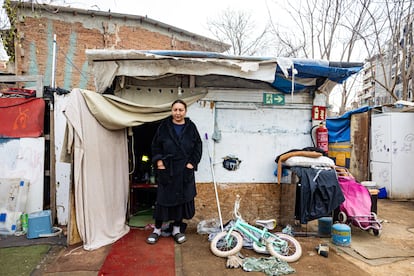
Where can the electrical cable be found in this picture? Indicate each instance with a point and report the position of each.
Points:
(312, 138)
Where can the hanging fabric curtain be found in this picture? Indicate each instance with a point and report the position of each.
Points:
(115, 112)
(101, 176)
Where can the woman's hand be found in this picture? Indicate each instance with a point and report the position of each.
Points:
(189, 166)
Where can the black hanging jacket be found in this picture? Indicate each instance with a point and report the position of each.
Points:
(320, 193)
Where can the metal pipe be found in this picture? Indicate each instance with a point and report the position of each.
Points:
(215, 184)
(53, 62)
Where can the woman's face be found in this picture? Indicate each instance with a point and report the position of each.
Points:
(178, 112)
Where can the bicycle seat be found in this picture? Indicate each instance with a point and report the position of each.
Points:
(267, 223)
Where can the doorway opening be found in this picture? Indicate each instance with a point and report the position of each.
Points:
(142, 186)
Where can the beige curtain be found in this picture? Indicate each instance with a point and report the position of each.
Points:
(96, 135)
(100, 175)
(132, 109)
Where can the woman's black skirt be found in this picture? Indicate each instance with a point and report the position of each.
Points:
(176, 213)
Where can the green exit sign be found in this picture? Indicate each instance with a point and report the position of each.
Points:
(273, 99)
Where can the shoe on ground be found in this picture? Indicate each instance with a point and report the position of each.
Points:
(180, 238)
(153, 238)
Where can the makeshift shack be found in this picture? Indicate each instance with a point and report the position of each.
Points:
(248, 109)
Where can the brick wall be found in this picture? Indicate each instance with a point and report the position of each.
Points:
(77, 32)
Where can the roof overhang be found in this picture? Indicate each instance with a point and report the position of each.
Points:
(277, 72)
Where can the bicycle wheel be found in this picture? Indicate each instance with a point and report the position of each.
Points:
(260, 248)
(284, 247)
(222, 247)
(342, 218)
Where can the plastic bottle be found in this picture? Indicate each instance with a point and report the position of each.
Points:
(24, 222)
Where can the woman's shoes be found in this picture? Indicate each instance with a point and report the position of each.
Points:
(153, 238)
(180, 238)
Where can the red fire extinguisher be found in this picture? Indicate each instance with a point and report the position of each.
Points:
(322, 137)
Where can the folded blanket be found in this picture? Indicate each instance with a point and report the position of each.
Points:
(287, 155)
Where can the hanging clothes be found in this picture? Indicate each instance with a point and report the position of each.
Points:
(318, 195)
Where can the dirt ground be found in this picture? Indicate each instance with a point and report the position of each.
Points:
(398, 231)
(195, 258)
(198, 260)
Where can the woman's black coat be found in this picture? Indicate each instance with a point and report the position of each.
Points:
(176, 184)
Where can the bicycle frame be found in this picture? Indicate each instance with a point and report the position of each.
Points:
(230, 241)
(243, 227)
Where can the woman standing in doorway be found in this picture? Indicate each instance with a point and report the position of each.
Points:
(176, 152)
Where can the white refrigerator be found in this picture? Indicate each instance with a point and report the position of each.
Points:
(392, 153)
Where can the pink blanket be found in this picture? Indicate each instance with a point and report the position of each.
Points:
(357, 197)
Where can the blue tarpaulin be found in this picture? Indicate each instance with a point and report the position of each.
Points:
(339, 128)
(317, 70)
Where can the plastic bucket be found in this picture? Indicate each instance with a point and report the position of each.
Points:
(324, 226)
(341, 234)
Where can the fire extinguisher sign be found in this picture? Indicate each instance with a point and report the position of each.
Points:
(318, 113)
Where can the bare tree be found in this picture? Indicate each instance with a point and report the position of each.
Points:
(237, 28)
(325, 29)
(347, 30)
(394, 52)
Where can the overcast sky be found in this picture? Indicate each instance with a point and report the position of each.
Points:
(190, 15)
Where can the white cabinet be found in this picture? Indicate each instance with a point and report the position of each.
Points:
(392, 153)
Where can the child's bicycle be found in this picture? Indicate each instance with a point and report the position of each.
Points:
(230, 242)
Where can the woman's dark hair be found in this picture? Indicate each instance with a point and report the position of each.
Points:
(181, 102)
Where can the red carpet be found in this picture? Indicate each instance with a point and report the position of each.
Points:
(131, 255)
